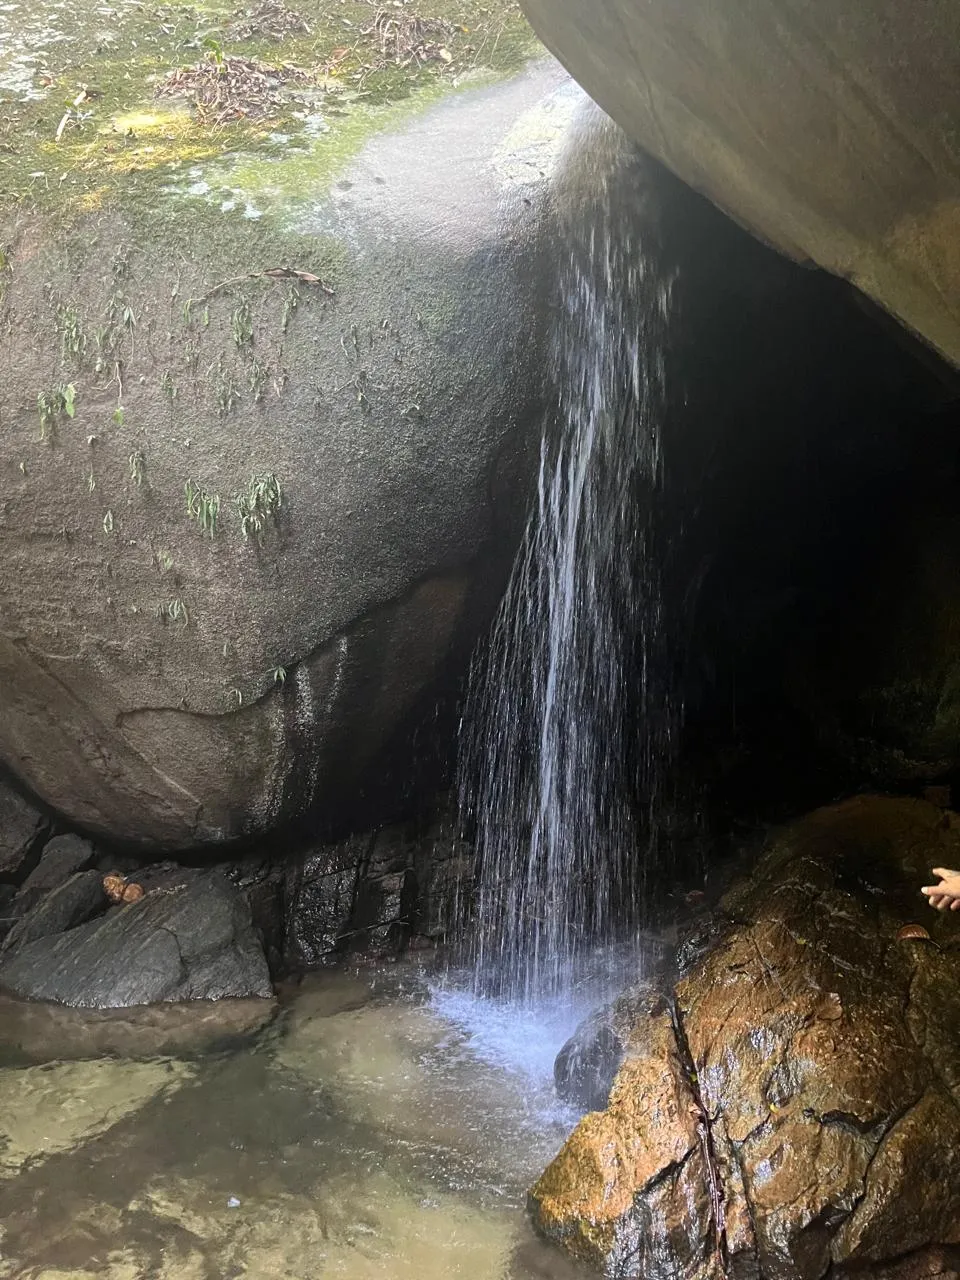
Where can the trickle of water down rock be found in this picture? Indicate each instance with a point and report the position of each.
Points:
(569, 716)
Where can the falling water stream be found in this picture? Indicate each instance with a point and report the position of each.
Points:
(569, 716)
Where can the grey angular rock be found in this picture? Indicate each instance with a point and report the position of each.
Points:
(70, 904)
(587, 1065)
(20, 827)
(376, 893)
(192, 941)
(62, 857)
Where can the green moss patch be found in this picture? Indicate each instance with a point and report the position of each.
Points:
(104, 112)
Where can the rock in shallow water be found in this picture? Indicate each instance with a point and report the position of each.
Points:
(191, 939)
(33, 1032)
(588, 1063)
(70, 904)
(796, 1108)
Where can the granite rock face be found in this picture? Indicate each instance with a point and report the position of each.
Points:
(375, 894)
(792, 1105)
(270, 563)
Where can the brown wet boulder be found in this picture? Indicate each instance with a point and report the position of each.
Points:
(793, 1107)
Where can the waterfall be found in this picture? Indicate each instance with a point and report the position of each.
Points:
(568, 717)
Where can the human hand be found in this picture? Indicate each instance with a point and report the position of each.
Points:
(944, 896)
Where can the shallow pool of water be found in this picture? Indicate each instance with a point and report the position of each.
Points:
(383, 1127)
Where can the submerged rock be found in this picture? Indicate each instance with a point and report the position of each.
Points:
(795, 1104)
(188, 939)
(55, 1108)
(38, 1032)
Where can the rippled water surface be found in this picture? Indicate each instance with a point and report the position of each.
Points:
(379, 1128)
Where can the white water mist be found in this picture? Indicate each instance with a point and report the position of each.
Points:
(568, 718)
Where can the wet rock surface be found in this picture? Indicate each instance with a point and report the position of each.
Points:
(21, 826)
(588, 1063)
(375, 894)
(71, 903)
(93, 929)
(791, 1107)
(189, 938)
(61, 857)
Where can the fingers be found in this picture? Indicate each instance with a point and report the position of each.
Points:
(944, 873)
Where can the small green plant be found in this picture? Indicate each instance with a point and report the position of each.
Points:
(242, 324)
(120, 314)
(107, 341)
(225, 392)
(120, 265)
(51, 405)
(290, 304)
(118, 415)
(164, 561)
(108, 522)
(73, 341)
(259, 503)
(137, 463)
(279, 675)
(202, 506)
(168, 386)
(257, 379)
(214, 51)
(173, 611)
(91, 481)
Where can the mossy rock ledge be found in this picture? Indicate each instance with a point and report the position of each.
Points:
(790, 1108)
(271, 392)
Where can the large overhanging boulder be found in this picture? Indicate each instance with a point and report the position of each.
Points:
(269, 390)
(831, 129)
